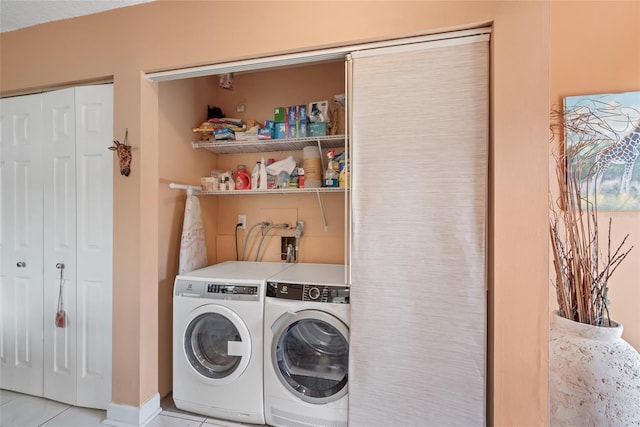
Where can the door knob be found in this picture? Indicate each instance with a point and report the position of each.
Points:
(21, 264)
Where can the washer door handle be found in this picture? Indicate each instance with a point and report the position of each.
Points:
(237, 348)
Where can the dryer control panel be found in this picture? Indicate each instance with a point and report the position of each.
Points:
(308, 292)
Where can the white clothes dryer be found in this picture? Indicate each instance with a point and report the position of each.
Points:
(306, 348)
(218, 340)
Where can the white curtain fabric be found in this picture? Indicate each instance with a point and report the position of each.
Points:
(193, 248)
(420, 126)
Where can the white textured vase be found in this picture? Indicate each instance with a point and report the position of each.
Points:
(594, 376)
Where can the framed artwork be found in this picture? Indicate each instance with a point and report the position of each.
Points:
(602, 142)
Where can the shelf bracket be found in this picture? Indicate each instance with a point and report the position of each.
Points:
(324, 218)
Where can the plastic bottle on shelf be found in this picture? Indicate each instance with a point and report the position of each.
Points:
(255, 176)
(282, 180)
(243, 179)
(343, 179)
(293, 179)
(312, 167)
(263, 175)
(331, 174)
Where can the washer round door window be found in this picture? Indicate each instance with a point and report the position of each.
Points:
(310, 355)
(217, 344)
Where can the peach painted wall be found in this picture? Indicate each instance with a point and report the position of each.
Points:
(595, 49)
(121, 45)
(178, 162)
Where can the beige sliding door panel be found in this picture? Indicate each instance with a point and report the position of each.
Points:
(21, 231)
(420, 116)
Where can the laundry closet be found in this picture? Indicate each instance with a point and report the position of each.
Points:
(411, 226)
(57, 244)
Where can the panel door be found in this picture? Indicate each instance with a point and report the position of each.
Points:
(94, 243)
(418, 252)
(59, 244)
(21, 350)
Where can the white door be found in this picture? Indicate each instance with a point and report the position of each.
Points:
(78, 200)
(21, 350)
(59, 138)
(57, 208)
(94, 244)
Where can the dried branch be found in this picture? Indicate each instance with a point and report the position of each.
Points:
(582, 272)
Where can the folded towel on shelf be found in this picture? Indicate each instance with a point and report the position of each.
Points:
(287, 165)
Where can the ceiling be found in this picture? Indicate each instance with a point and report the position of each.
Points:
(16, 14)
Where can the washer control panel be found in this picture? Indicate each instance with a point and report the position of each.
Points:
(217, 290)
(308, 292)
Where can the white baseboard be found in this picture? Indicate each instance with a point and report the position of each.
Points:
(132, 416)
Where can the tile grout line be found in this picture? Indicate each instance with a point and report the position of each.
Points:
(60, 413)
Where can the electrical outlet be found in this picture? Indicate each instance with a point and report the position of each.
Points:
(242, 220)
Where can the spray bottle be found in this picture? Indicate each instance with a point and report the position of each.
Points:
(331, 173)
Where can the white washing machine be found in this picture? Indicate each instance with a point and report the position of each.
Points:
(306, 347)
(218, 340)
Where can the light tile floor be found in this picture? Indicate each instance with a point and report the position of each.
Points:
(21, 410)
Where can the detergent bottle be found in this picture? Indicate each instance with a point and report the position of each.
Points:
(243, 179)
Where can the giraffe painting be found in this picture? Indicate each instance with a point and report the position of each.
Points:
(605, 140)
(624, 152)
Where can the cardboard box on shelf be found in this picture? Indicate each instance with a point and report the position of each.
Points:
(269, 124)
(292, 115)
(292, 131)
(317, 129)
(302, 113)
(265, 133)
(279, 115)
(280, 131)
(303, 129)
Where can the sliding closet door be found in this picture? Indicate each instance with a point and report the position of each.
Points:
(21, 239)
(419, 217)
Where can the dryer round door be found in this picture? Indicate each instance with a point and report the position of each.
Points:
(217, 344)
(310, 355)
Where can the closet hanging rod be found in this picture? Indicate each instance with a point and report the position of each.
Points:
(191, 189)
